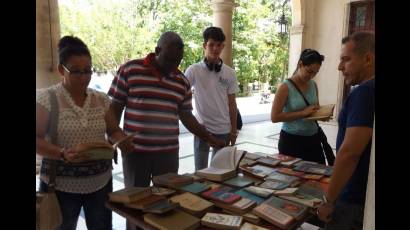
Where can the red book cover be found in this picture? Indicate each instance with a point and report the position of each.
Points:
(221, 194)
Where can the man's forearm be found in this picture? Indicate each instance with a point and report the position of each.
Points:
(193, 125)
(343, 169)
(233, 112)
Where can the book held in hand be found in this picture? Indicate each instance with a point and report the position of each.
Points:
(221, 221)
(324, 111)
(223, 165)
(99, 150)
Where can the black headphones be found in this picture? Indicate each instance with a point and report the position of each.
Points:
(213, 66)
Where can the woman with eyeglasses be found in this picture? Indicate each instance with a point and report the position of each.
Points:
(299, 137)
(83, 117)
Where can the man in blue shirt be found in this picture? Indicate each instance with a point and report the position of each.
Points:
(344, 201)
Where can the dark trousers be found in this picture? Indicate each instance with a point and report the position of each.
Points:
(346, 216)
(308, 148)
(201, 150)
(97, 216)
(140, 168)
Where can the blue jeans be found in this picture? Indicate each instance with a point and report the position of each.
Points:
(346, 216)
(201, 150)
(97, 216)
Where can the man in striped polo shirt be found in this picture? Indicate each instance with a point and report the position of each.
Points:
(155, 94)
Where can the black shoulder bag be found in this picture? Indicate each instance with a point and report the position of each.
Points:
(327, 149)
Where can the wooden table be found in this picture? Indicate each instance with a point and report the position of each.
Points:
(136, 217)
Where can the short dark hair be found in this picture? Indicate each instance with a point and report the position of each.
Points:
(69, 46)
(363, 41)
(310, 56)
(170, 37)
(215, 33)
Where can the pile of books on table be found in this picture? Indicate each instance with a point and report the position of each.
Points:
(239, 190)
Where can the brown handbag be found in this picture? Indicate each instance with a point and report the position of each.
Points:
(48, 212)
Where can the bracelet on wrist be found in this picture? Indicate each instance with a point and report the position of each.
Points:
(62, 156)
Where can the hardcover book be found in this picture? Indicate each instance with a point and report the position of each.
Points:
(221, 194)
(255, 156)
(282, 177)
(239, 182)
(262, 192)
(250, 217)
(245, 194)
(196, 187)
(173, 220)
(296, 210)
(172, 180)
(192, 203)
(161, 207)
(259, 171)
(290, 172)
(128, 195)
(249, 226)
(246, 161)
(240, 207)
(162, 191)
(146, 202)
(268, 161)
(223, 165)
(274, 216)
(324, 112)
(221, 221)
(99, 150)
(285, 160)
(285, 192)
(275, 185)
(315, 169)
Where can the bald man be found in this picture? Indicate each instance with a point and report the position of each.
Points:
(155, 94)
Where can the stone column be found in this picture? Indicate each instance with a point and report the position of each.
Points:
(295, 47)
(222, 14)
(47, 36)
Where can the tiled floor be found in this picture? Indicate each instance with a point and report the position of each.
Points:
(259, 136)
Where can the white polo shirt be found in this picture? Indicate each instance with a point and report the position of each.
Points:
(211, 95)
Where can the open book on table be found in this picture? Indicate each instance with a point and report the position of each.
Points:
(101, 149)
(224, 165)
(324, 111)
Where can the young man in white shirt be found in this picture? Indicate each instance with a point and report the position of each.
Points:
(215, 86)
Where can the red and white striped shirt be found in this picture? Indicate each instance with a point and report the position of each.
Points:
(152, 102)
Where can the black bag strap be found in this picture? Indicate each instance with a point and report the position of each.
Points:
(303, 96)
(326, 147)
(52, 132)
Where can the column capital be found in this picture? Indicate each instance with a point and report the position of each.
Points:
(297, 29)
(223, 5)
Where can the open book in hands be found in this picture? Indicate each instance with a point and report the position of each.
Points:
(324, 112)
(99, 150)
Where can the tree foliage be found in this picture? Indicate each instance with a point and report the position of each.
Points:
(119, 30)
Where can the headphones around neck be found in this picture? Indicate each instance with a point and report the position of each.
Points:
(212, 66)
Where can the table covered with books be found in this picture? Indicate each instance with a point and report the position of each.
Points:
(240, 190)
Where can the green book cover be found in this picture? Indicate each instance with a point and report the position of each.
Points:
(250, 196)
(239, 182)
(196, 187)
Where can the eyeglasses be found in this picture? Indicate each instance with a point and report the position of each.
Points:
(78, 73)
